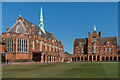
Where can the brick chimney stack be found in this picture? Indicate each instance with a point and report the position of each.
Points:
(60, 42)
(99, 33)
(7, 28)
(88, 34)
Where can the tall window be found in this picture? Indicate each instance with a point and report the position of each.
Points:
(9, 45)
(79, 50)
(106, 49)
(80, 44)
(33, 45)
(49, 47)
(44, 47)
(94, 49)
(90, 45)
(110, 49)
(52, 48)
(98, 50)
(40, 45)
(82, 50)
(22, 45)
(89, 50)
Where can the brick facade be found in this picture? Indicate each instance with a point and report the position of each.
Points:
(26, 42)
(95, 48)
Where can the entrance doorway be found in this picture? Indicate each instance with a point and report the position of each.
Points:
(90, 58)
(36, 57)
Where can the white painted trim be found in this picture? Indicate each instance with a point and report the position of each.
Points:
(22, 24)
(17, 27)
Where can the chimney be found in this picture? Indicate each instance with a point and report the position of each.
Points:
(99, 33)
(88, 34)
(60, 42)
(7, 28)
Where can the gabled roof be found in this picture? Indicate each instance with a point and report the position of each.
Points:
(37, 30)
(84, 40)
(19, 27)
(103, 40)
(112, 39)
(118, 47)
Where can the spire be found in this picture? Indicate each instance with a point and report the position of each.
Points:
(94, 28)
(41, 16)
(41, 25)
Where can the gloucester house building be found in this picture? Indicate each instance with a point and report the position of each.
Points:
(96, 48)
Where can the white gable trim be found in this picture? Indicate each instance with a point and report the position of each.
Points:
(17, 27)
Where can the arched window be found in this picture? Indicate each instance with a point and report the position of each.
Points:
(108, 43)
(80, 44)
(110, 49)
(106, 49)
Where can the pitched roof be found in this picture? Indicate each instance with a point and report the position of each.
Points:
(118, 47)
(37, 30)
(112, 39)
(84, 40)
(19, 27)
(103, 40)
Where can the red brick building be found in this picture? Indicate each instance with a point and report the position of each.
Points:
(28, 42)
(96, 48)
(2, 50)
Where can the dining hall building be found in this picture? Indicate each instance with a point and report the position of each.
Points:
(26, 42)
(96, 48)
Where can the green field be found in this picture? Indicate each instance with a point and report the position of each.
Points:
(62, 70)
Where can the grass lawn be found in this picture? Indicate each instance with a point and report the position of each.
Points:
(62, 70)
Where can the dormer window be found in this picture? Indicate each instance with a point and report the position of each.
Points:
(108, 43)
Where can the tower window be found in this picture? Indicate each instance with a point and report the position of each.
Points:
(80, 44)
(98, 50)
(82, 50)
(106, 49)
(110, 49)
(108, 43)
(79, 50)
(89, 50)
